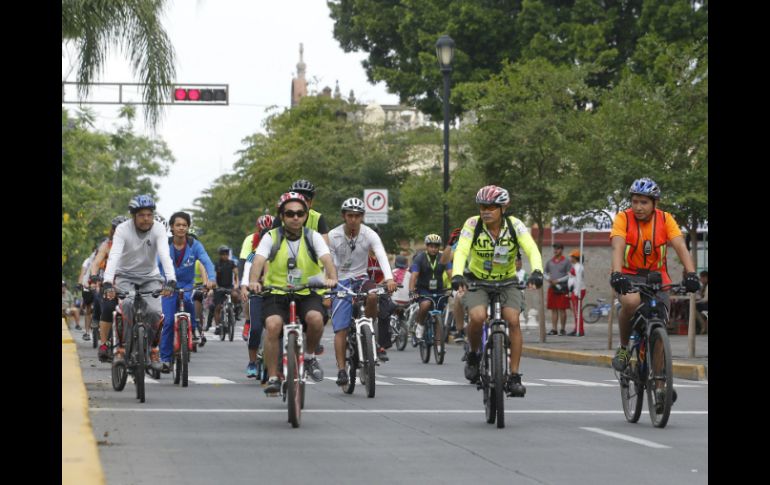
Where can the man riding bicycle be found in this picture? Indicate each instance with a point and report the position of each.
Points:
(489, 243)
(227, 281)
(132, 263)
(350, 244)
(427, 278)
(639, 237)
(291, 264)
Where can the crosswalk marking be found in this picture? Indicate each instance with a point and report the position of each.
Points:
(626, 437)
(577, 382)
(430, 381)
(209, 380)
(359, 382)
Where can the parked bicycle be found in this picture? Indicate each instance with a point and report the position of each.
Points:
(293, 385)
(433, 336)
(592, 312)
(650, 367)
(495, 351)
(360, 351)
(137, 354)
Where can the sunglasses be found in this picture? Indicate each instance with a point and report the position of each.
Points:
(291, 214)
(488, 207)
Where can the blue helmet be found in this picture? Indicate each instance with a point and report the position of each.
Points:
(646, 187)
(141, 202)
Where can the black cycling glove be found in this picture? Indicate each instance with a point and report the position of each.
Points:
(536, 278)
(458, 281)
(620, 282)
(170, 285)
(691, 282)
(106, 288)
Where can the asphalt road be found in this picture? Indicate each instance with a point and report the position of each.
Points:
(425, 425)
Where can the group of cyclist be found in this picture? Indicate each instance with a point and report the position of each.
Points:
(297, 248)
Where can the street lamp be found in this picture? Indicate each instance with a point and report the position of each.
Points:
(445, 51)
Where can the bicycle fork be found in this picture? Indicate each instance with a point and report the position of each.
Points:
(360, 322)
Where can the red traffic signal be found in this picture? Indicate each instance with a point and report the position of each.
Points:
(203, 95)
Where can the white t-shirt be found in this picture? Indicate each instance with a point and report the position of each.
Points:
(351, 257)
(86, 269)
(134, 254)
(575, 280)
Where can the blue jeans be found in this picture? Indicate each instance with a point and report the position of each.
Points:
(169, 309)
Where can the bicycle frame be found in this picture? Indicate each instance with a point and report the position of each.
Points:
(359, 300)
(180, 313)
(293, 326)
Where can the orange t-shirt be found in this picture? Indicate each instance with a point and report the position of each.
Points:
(619, 229)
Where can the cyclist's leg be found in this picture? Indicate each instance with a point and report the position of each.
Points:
(154, 313)
(511, 303)
(476, 302)
(387, 307)
(255, 333)
(275, 313)
(629, 303)
(342, 312)
(458, 311)
(311, 309)
(167, 336)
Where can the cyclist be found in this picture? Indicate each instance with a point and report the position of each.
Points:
(350, 244)
(292, 264)
(385, 306)
(197, 297)
(639, 236)
(137, 244)
(68, 307)
(227, 280)
(103, 314)
(458, 310)
(185, 251)
(86, 293)
(489, 243)
(250, 243)
(427, 273)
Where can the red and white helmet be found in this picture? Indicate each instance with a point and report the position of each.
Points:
(492, 194)
(265, 221)
(288, 197)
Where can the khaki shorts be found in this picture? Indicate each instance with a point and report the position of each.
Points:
(511, 297)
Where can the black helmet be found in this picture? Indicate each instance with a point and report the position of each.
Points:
(223, 249)
(304, 187)
(401, 261)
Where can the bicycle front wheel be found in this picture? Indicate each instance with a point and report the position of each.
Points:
(400, 331)
(498, 376)
(230, 323)
(141, 362)
(424, 344)
(438, 340)
(490, 400)
(294, 389)
(184, 350)
(591, 313)
(119, 376)
(351, 363)
(368, 370)
(660, 383)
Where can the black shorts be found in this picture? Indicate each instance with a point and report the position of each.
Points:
(197, 295)
(279, 305)
(88, 297)
(220, 294)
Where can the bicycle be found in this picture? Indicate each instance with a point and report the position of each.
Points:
(649, 337)
(360, 351)
(495, 351)
(137, 347)
(293, 385)
(592, 312)
(228, 316)
(433, 336)
(183, 343)
(399, 328)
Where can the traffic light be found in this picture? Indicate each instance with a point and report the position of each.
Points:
(200, 94)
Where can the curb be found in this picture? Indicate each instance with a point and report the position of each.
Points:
(695, 372)
(79, 455)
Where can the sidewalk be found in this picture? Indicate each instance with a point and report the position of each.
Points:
(592, 349)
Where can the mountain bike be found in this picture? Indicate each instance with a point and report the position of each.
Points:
(651, 365)
(293, 385)
(137, 353)
(495, 350)
(183, 343)
(592, 312)
(360, 351)
(433, 336)
(399, 329)
(228, 315)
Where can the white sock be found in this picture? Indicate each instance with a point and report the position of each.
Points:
(309, 356)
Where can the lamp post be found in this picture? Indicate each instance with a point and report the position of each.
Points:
(445, 51)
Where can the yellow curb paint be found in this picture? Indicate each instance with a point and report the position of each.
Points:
(695, 372)
(79, 455)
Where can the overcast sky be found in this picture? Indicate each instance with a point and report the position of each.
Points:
(252, 45)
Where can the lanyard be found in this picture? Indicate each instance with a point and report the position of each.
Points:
(432, 266)
(180, 256)
(503, 230)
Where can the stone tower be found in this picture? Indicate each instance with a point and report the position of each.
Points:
(299, 83)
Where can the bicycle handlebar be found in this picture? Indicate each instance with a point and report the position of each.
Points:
(495, 285)
(379, 289)
(294, 289)
(154, 293)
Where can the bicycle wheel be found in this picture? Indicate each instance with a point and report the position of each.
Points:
(293, 389)
(95, 334)
(231, 323)
(498, 376)
(438, 340)
(661, 376)
(184, 350)
(119, 376)
(490, 399)
(424, 344)
(631, 391)
(140, 357)
(591, 313)
(368, 368)
(448, 318)
(351, 363)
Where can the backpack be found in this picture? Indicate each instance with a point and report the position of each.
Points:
(308, 242)
(479, 227)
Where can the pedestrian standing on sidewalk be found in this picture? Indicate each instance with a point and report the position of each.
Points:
(556, 270)
(577, 291)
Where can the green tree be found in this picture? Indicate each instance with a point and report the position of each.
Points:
(95, 26)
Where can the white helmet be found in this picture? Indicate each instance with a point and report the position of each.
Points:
(353, 204)
(159, 218)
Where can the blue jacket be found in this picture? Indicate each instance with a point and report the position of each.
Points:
(185, 272)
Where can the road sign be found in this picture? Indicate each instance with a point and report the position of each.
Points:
(376, 202)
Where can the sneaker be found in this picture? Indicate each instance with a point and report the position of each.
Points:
(460, 337)
(572, 333)
(514, 387)
(553, 332)
(203, 341)
(273, 386)
(165, 367)
(660, 395)
(218, 330)
(86, 336)
(382, 355)
(418, 331)
(342, 378)
(246, 330)
(620, 361)
(314, 370)
(319, 350)
(102, 353)
(251, 369)
(472, 366)
(77, 327)
(195, 338)
(562, 332)
(120, 355)
(155, 363)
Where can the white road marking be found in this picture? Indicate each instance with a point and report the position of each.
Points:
(626, 437)
(577, 382)
(430, 381)
(380, 411)
(676, 384)
(209, 380)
